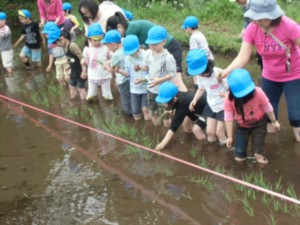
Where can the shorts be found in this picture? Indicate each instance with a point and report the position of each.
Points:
(76, 81)
(138, 101)
(209, 113)
(7, 58)
(34, 54)
(60, 65)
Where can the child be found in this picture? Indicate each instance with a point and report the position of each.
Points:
(250, 107)
(171, 98)
(6, 49)
(56, 52)
(94, 56)
(138, 86)
(78, 71)
(117, 64)
(33, 37)
(198, 64)
(71, 23)
(161, 67)
(197, 39)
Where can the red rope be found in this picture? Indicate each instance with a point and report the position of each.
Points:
(258, 188)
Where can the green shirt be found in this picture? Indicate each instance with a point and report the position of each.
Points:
(140, 28)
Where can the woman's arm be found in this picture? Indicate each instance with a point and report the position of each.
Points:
(241, 60)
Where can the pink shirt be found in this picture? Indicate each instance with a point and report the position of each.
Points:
(274, 55)
(254, 109)
(51, 11)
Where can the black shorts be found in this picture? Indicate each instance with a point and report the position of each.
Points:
(76, 81)
(209, 113)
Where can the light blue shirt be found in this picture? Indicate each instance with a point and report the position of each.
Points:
(118, 59)
(130, 62)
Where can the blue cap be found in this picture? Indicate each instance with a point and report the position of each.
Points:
(240, 82)
(53, 34)
(48, 26)
(24, 13)
(112, 36)
(156, 35)
(95, 30)
(166, 92)
(128, 14)
(3, 16)
(67, 6)
(196, 61)
(190, 22)
(131, 44)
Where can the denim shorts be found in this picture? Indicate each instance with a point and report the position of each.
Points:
(242, 136)
(291, 90)
(34, 54)
(209, 113)
(138, 101)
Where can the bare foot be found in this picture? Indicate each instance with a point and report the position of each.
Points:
(261, 158)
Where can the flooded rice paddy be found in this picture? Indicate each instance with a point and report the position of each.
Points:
(54, 172)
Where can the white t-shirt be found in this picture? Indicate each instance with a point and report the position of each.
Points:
(159, 66)
(198, 41)
(95, 57)
(213, 89)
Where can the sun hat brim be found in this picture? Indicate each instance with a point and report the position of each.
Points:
(161, 100)
(153, 42)
(183, 27)
(276, 13)
(198, 71)
(130, 52)
(245, 91)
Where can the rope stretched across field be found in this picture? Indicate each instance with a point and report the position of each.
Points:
(235, 180)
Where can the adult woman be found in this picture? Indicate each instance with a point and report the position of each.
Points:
(140, 28)
(277, 39)
(51, 10)
(92, 13)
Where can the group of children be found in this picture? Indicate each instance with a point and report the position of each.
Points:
(147, 79)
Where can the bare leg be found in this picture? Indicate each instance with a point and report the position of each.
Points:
(146, 113)
(221, 134)
(297, 133)
(211, 130)
(73, 92)
(82, 93)
(198, 132)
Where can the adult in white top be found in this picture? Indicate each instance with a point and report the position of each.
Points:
(92, 13)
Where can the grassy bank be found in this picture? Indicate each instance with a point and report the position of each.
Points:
(220, 20)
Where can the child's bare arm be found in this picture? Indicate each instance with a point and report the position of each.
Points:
(51, 61)
(22, 37)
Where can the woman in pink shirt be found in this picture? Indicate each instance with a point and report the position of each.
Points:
(250, 107)
(51, 10)
(277, 39)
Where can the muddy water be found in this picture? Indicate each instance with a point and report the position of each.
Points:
(53, 172)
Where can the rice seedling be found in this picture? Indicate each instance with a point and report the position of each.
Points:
(203, 181)
(284, 207)
(291, 191)
(278, 185)
(169, 172)
(148, 155)
(227, 196)
(265, 199)
(188, 196)
(276, 205)
(248, 209)
(270, 219)
(130, 150)
(193, 152)
(202, 162)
